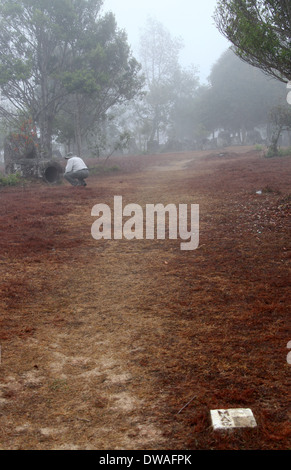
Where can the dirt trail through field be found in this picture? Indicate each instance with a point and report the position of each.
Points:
(104, 341)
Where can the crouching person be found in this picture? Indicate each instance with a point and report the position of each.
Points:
(76, 170)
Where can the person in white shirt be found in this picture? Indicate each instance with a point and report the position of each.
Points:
(76, 170)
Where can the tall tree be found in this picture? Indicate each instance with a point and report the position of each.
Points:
(260, 31)
(186, 88)
(280, 117)
(159, 55)
(239, 96)
(34, 38)
(52, 49)
(102, 73)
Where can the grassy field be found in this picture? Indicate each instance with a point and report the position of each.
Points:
(128, 344)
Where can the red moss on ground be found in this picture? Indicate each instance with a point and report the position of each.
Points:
(103, 343)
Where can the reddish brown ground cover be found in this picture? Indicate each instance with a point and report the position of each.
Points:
(103, 343)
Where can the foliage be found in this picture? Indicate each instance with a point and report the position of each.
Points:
(99, 146)
(101, 73)
(260, 31)
(159, 53)
(278, 153)
(186, 88)
(280, 118)
(63, 55)
(238, 98)
(10, 180)
(24, 138)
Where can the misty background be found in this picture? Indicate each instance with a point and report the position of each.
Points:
(217, 99)
(191, 20)
(170, 82)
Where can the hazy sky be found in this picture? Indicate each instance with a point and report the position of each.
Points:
(189, 19)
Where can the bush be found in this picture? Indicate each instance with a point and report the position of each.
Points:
(10, 180)
(280, 152)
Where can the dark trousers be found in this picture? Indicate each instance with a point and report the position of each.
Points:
(77, 178)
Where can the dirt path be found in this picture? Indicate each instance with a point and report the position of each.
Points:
(103, 342)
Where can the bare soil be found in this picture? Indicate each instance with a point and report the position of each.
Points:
(128, 344)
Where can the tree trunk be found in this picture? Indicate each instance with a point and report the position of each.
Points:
(77, 124)
(45, 118)
(274, 141)
(46, 136)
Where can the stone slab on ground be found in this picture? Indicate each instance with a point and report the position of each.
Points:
(233, 418)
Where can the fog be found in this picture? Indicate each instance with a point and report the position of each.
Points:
(191, 20)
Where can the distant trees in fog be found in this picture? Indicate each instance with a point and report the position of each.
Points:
(178, 113)
(71, 71)
(239, 98)
(235, 105)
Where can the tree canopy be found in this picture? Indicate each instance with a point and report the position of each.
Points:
(242, 95)
(237, 100)
(159, 55)
(55, 52)
(260, 31)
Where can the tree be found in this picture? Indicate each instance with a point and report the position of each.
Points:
(34, 39)
(238, 98)
(57, 51)
(280, 117)
(260, 31)
(159, 55)
(101, 74)
(186, 88)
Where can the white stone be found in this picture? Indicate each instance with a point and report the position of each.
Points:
(233, 418)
